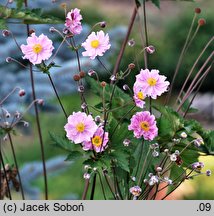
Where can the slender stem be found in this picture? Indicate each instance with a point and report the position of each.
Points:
(110, 185)
(102, 186)
(146, 33)
(57, 95)
(117, 64)
(7, 180)
(93, 187)
(139, 160)
(37, 120)
(85, 189)
(193, 67)
(16, 164)
(180, 60)
(103, 65)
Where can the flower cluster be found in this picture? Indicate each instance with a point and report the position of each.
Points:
(81, 128)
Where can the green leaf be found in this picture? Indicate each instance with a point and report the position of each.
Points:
(3, 24)
(62, 142)
(156, 3)
(73, 156)
(19, 4)
(209, 142)
(29, 16)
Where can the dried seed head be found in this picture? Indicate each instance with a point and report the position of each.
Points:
(82, 74)
(198, 10)
(6, 33)
(21, 92)
(201, 22)
(103, 24)
(131, 66)
(76, 77)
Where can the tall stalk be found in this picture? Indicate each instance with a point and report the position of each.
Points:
(37, 119)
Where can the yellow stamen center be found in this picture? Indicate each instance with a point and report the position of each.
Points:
(152, 81)
(37, 48)
(95, 43)
(97, 141)
(144, 125)
(80, 127)
(140, 95)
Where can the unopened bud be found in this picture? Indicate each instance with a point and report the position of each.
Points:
(131, 66)
(21, 92)
(103, 84)
(52, 29)
(131, 42)
(83, 106)
(81, 88)
(76, 77)
(91, 72)
(86, 176)
(198, 10)
(82, 74)
(208, 173)
(201, 22)
(40, 102)
(150, 49)
(65, 31)
(6, 33)
(103, 24)
(113, 78)
(31, 31)
(8, 59)
(125, 87)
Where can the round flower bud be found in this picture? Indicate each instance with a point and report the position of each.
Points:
(40, 102)
(198, 10)
(125, 87)
(201, 22)
(21, 92)
(159, 169)
(103, 24)
(135, 191)
(6, 33)
(183, 135)
(81, 88)
(86, 176)
(131, 66)
(131, 42)
(150, 49)
(76, 77)
(8, 59)
(52, 29)
(82, 74)
(83, 106)
(91, 72)
(103, 84)
(208, 173)
(26, 124)
(126, 142)
(31, 31)
(97, 119)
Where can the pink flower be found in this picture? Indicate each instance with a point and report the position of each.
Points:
(139, 96)
(97, 142)
(80, 127)
(96, 44)
(144, 124)
(37, 48)
(73, 21)
(152, 83)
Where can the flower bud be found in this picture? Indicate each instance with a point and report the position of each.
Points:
(125, 87)
(82, 74)
(131, 66)
(103, 84)
(131, 42)
(6, 33)
(8, 59)
(91, 72)
(150, 49)
(183, 135)
(113, 78)
(159, 169)
(76, 77)
(135, 191)
(81, 88)
(31, 31)
(126, 142)
(52, 29)
(208, 173)
(86, 176)
(40, 102)
(103, 24)
(21, 92)
(83, 106)
(201, 22)
(97, 119)
(198, 10)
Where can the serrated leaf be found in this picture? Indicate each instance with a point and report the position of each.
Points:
(73, 156)
(62, 142)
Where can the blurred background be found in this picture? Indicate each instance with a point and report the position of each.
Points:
(167, 30)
